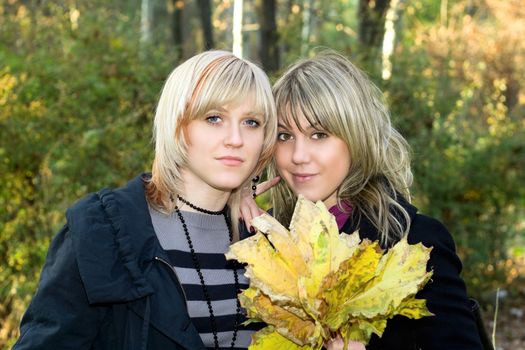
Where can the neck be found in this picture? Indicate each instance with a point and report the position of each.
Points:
(202, 196)
(208, 201)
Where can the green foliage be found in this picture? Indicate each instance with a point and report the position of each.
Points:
(451, 96)
(76, 105)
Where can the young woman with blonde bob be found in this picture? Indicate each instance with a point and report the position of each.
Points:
(336, 144)
(143, 266)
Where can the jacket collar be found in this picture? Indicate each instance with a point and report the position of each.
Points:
(368, 230)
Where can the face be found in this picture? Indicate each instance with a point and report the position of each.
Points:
(313, 162)
(224, 147)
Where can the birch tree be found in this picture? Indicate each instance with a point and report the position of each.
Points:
(146, 14)
(308, 11)
(389, 39)
(237, 28)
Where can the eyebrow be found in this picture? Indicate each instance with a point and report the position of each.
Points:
(309, 127)
(249, 114)
(254, 114)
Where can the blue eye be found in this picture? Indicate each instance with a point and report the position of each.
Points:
(253, 123)
(213, 119)
(283, 136)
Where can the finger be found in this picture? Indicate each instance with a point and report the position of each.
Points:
(246, 215)
(354, 345)
(255, 210)
(335, 344)
(249, 210)
(266, 185)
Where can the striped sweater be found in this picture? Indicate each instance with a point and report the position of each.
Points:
(210, 239)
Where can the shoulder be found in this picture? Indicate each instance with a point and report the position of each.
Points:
(107, 204)
(108, 209)
(109, 231)
(86, 213)
(433, 234)
(429, 231)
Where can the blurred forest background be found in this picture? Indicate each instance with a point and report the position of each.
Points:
(79, 82)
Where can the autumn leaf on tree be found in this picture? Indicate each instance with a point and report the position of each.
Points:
(310, 283)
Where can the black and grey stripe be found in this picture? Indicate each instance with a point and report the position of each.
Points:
(209, 235)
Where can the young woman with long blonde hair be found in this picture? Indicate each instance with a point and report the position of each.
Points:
(336, 144)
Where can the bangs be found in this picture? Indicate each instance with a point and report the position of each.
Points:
(293, 103)
(227, 81)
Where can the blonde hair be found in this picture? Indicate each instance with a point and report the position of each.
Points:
(333, 94)
(206, 81)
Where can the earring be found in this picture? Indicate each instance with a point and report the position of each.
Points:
(254, 186)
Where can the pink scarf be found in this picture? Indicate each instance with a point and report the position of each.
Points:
(341, 216)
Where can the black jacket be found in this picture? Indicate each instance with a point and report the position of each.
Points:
(106, 283)
(453, 327)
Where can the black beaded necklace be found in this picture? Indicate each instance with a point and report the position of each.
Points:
(202, 210)
(199, 272)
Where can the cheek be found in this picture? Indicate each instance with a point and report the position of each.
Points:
(339, 162)
(281, 156)
(197, 138)
(340, 172)
(255, 144)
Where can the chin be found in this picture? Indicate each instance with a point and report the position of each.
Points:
(227, 186)
(311, 197)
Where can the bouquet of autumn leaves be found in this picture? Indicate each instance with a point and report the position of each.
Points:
(310, 283)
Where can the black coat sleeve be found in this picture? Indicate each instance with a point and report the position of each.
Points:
(59, 316)
(453, 327)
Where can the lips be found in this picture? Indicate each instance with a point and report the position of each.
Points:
(230, 160)
(302, 177)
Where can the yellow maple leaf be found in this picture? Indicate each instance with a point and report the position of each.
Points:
(353, 277)
(310, 282)
(401, 272)
(267, 338)
(266, 269)
(286, 322)
(280, 238)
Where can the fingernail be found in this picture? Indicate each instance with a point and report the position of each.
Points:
(252, 230)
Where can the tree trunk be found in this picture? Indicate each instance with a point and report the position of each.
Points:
(145, 21)
(207, 29)
(269, 50)
(443, 13)
(285, 46)
(372, 22)
(178, 42)
(308, 10)
(237, 28)
(389, 39)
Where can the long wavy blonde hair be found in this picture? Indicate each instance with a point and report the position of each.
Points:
(329, 91)
(206, 81)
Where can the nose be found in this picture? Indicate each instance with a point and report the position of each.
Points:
(300, 151)
(234, 137)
